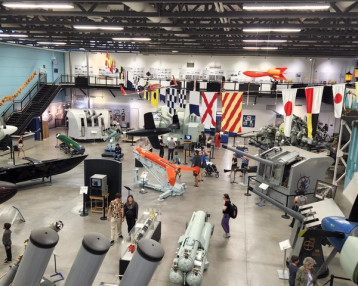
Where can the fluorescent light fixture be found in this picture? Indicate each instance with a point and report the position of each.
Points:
(132, 39)
(51, 43)
(13, 35)
(287, 7)
(264, 41)
(260, 48)
(97, 27)
(175, 51)
(37, 5)
(271, 30)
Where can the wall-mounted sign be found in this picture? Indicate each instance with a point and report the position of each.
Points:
(189, 65)
(248, 121)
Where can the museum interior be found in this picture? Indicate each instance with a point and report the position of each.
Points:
(179, 143)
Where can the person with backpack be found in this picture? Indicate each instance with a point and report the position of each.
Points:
(226, 216)
(300, 200)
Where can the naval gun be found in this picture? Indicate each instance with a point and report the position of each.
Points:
(191, 258)
(287, 169)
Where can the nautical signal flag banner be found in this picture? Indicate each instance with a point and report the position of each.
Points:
(289, 99)
(232, 112)
(313, 102)
(163, 93)
(172, 99)
(155, 98)
(209, 107)
(182, 98)
(338, 95)
(357, 93)
(194, 99)
(146, 95)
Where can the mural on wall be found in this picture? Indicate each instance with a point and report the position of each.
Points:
(248, 121)
(55, 114)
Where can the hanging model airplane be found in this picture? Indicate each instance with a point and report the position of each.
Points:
(148, 88)
(342, 233)
(276, 73)
(172, 169)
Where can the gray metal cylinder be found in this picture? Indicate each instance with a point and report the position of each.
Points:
(9, 277)
(36, 257)
(253, 157)
(88, 260)
(143, 264)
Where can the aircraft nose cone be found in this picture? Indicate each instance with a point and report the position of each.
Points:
(10, 129)
(7, 191)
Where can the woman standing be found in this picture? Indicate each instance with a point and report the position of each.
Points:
(131, 212)
(226, 217)
(217, 140)
(306, 275)
(20, 145)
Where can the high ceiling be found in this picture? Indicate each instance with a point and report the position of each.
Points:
(191, 27)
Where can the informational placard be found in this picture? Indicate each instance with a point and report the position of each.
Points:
(189, 74)
(213, 74)
(136, 71)
(160, 73)
(81, 70)
(144, 175)
(232, 75)
(83, 190)
(248, 121)
(285, 244)
(263, 186)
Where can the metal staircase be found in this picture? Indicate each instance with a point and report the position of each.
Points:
(33, 104)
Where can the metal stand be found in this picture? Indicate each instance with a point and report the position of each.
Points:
(286, 216)
(247, 194)
(57, 144)
(330, 281)
(84, 212)
(57, 273)
(233, 142)
(246, 180)
(283, 274)
(94, 141)
(132, 141)
(234, 182)
(212, 151)
(16, 214)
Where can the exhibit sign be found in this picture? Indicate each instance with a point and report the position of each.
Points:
(248, 121)
(139, 72)
(81, 70)
(156, 73)
(189, 74)
(213, 74)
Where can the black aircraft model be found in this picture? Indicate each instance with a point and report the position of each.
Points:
(38, 169)
(7, 191)
(150, 131)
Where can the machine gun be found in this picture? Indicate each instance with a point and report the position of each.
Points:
(248, 169)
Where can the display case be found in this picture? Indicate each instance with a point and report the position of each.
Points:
(147, 226)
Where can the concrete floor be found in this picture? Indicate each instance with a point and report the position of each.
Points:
(250, 257)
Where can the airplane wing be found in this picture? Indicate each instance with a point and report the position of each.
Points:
(171, 173)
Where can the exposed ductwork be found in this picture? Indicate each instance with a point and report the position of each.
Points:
(146, 7)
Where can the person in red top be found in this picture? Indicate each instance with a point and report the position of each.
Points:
(217, 140)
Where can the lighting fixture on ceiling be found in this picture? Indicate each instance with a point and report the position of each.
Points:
(13, 35)
(260, 48)
(270, 30)
(51, 43)
(37, 5)
(175, 51)
(132, 39)
(93, 27)
(287, 7)
(264, 41)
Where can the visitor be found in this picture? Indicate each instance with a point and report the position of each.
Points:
(116, 212)
(209, 142)
(202, 139)
(161, 149)
(274, 86)
(131, 212)
(226, 216)
(244, 162)
(202, 167)
(171, 146)
(196, 162)
(233, 165)
(6, 240)
(293, 269)
(176, 159)
(299, 200)
(20, 146)
(306, 274)
(217, 140)
(117, 152)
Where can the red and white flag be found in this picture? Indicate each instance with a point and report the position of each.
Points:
(288, 98)
(338, 95)
(209, 107)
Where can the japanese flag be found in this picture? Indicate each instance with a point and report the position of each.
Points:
(338, 95)
(289, 98)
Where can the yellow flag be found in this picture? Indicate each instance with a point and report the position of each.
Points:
(155, 98)
(357, 92)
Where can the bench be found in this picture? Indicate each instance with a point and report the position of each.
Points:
(110, 155)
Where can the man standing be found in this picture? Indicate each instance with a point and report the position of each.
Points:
(196, 163)
(293, 269)
(116, 207)
(244, 162)
(171, 147)
(117, 152)
(161, 150)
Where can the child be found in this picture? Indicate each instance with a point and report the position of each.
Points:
(233, 165)
(6, 240)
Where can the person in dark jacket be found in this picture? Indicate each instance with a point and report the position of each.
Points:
(306, 274)
(131, 212)
(161, 149)
(196, 162)
(117, 152)
(6, 240)
(226, 216)
(293, 269)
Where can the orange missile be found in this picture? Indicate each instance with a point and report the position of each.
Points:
(276, 73)
(172, 169)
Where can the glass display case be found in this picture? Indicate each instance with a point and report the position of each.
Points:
(147, 226)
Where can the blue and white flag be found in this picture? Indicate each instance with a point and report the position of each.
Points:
(163, 93)
(136, 82)
(172, 99)
(182, 98)
(194, 100)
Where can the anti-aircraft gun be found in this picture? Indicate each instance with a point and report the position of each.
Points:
(113, 135)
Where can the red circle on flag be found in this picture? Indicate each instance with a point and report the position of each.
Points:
(338, 98)
(288, 108)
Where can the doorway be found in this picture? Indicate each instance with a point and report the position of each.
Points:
(134, 118)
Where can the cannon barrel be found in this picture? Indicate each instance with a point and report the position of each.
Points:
(253, 157)
(96, 116)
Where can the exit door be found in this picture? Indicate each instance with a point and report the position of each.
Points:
(134, 118)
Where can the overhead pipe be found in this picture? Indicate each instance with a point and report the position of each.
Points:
(146, 7)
